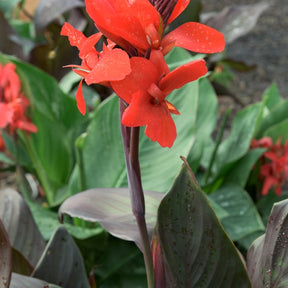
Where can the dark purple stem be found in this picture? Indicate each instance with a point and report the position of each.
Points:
(130, 139)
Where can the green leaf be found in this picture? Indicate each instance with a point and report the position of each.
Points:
(238, 142)
(122, 266)
(277, 115)
(59, 124)
(195, 246)
(278, 131)
(48, 222)
(103, 158)
(5, 257)
(272, 97)
(61, 262)
(267, 261)
(7, 7)
(243, 218)
(111, 207)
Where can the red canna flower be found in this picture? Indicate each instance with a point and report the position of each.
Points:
(96, 67)
(145, 90)
(13, 103)
(140, 25)
(2, 143)
(274, 167)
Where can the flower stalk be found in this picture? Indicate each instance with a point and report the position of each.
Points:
(130, 139)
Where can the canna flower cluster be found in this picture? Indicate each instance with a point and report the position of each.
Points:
(132, 60)
(13, 103)
(274, 164)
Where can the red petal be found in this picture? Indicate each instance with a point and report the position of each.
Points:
(268, 183)
(123, 21)
(160, 125)
(143, 73)
(10, 81)
(182, 75)
(75, 37)
(27, 126)
(178, 9)
(80, 99)
(196, 37)
(113, 65)
(157, 58)
(6, 115)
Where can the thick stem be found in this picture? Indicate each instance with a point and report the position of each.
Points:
(130, 139)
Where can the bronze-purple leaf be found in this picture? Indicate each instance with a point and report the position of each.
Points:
(5, 257)
(112, 209)
(20, 225)
(267, 258)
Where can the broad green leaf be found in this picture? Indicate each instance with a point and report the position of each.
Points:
(278, 131)
(267, 260)
(20, 225)
(122, 266)
(272, 97)
(103, 158)
(48, 153)
(243, 218)
(5, 257)
(236, 172)
(206, 118)
(61, 263)
(198, 251)
(276, 116)
(238, 142)
(103, 163)
(59, 124)
(240, 172)
(22, 281)
(47, 222)
(111, 207)
(7, 6)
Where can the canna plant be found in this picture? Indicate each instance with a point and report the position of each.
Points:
(165, 213)
(140, 77)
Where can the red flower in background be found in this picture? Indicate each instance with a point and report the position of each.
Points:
(2, 143)
(145, 90)
(274, 167)
(96, 67)
(140, 25)
(13, 103)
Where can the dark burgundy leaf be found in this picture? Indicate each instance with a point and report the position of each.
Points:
(267, 258)
(62, 263)
(20, 225)
(197, 250)
(5, 257)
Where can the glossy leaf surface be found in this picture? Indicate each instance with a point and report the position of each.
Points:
(20, 225)
(197, 249)
(18, 281)
(112, 209)
(267, 258)
(61, 263)
(5, 257)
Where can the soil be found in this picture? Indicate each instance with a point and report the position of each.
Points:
(266, 46)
